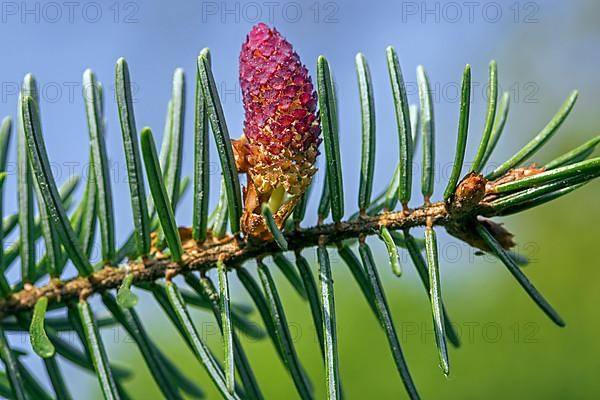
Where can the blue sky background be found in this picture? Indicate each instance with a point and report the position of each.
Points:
(544, 49)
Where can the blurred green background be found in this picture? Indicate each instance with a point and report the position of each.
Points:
(544, 49)
(509, 348)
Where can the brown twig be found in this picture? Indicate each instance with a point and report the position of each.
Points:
(204, 256)
(459, 216)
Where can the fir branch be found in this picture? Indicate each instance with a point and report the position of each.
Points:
(201, 257)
